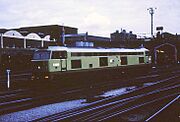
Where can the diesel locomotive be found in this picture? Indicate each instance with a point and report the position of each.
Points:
(57, 62)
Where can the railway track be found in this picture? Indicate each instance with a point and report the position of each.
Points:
(154, 117)
(17, 100)
(107, 109)
(23, 99)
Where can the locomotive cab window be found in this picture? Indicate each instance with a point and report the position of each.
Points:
(59, 54)
(147, 53)
(41, 54)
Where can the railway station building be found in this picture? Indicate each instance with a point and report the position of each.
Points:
(125, 39)
(165, 48)
(18, 44)
(86, 40)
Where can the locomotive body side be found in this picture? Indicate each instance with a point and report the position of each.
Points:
(55, 61)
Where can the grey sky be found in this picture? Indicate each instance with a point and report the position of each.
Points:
(97, 17)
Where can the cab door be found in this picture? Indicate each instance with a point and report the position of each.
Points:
(62, 56)
(63, 64)
(63, 60)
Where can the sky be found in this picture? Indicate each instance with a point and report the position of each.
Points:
(97, 17)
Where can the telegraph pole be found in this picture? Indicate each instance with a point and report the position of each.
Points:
(151, 12)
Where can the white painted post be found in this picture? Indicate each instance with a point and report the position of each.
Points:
(8, 78)
(1, 40)
(42, 43)
(24, 42)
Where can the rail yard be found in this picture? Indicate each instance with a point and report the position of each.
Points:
(138, 98)
(53, 73)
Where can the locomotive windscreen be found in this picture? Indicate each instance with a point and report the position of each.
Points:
(41, 54)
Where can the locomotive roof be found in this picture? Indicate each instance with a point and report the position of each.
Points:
(75, 49)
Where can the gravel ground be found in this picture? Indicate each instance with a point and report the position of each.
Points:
(42, 111)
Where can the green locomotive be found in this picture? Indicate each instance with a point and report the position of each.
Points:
(51, 63)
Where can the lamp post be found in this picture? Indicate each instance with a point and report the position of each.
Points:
(151, 12)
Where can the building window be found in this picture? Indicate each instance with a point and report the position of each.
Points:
(75, 64)
(141, 60)
(123, 60)
(103, 61)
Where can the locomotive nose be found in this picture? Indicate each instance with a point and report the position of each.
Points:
(39, 70)
(40, 66)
